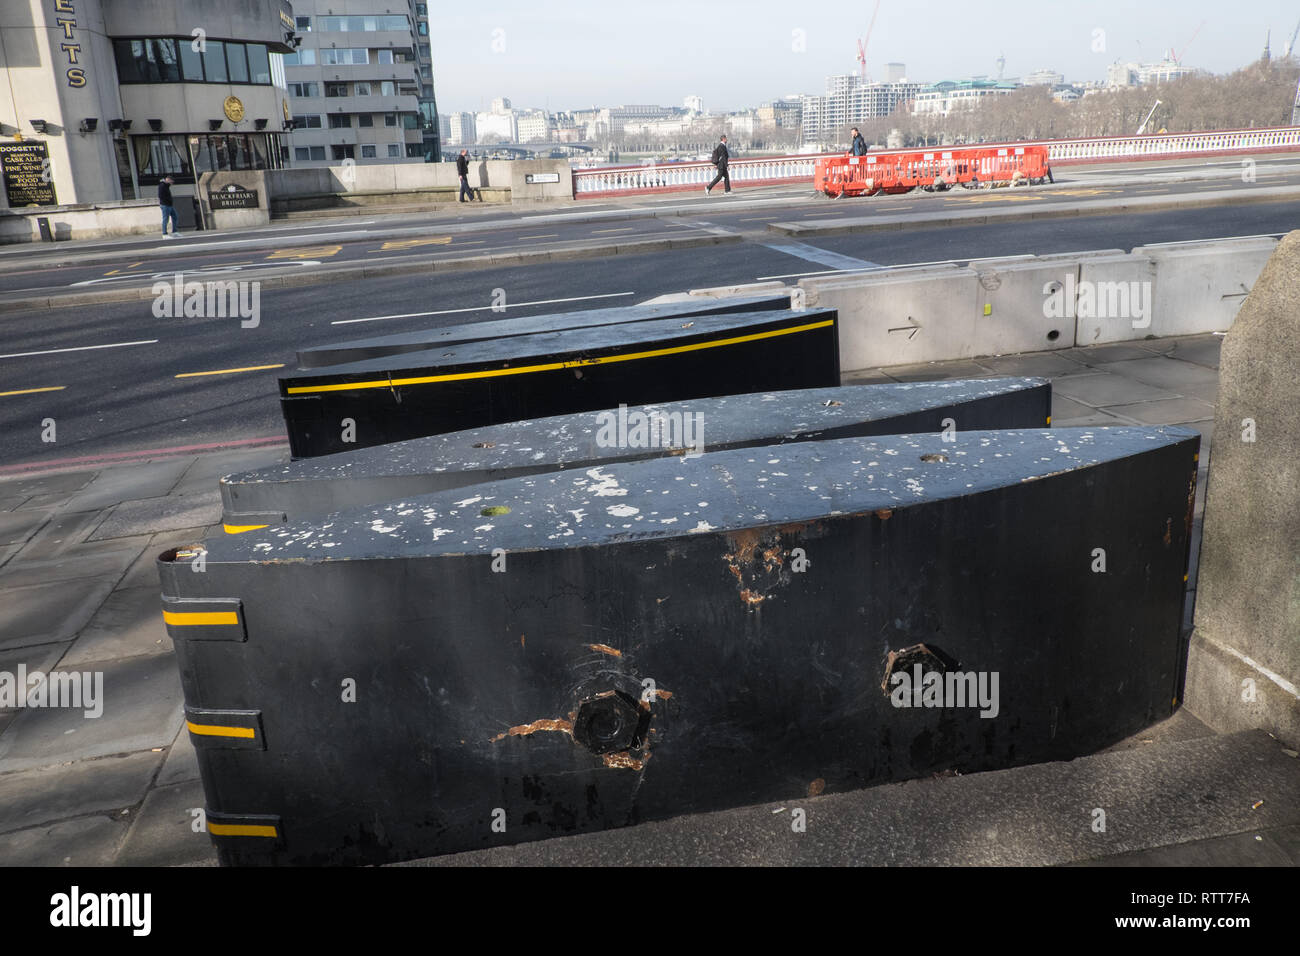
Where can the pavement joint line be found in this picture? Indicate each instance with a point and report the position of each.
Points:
(229, 371)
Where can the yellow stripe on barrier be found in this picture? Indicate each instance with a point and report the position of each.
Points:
(554, 366)
(240, 829)
(216, 730)
(199, 618)
(241, 528)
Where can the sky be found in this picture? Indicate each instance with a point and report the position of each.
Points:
(571, 54)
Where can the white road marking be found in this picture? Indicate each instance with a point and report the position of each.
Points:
(481, 308)
(80, 348)
(813, 254)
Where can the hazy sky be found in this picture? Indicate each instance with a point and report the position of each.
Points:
(567, 54)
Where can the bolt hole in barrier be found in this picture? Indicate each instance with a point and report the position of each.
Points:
(1053, 335)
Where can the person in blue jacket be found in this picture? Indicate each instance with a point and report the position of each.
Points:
(859, 146)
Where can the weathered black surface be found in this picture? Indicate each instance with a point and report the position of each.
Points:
(359, 350)
(484, 383)
(767, 679)
(370, 476)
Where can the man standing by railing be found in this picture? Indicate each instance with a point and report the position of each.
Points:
(721, 157)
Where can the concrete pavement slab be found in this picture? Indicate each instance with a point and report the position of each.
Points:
(67, 483)
(10, 502)
(162, 833)
(47, 794)
(936, 371)
(1064, 409)
(870, 376)
(1095, 419)
(1200, 349)
(142, 706)
(1166, 373)
(87, 841)
(129, 482)
(45, 613)
(1207, 392)
(1268, 848)
(64, 531)
(166, 513)
(1169, 411)
(182, 761)
(17, 526)
(1044, 365)
(1105, 388)
(128, 624)
(38, 658)
(1098, 354)
(98, 559)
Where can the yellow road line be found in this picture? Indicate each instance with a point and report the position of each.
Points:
(216, 730)
(306, 252)
(32, 391)
(236, 829)
(229, 371)
(412, 243)
(554, 366)
(200, 618)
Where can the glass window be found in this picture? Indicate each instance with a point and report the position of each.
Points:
(126, 63)
(340, 121)
(384, 56)
(301, 58)
(158, 156)
(307, 121)
(147, 61)
(390, 119)
(394, 149)
(336, 89)
(237, 60)
(421, 9)
(303, 24)
(191, 63)
(365, 119)
(367, 151)
(387, 88)
(424, 29)
(344, 152)
(410, 121)
(259, 63)
(363, 89)
(345, 57)
(214, 62)
(414, 149)
(301, 152)
(318, 152)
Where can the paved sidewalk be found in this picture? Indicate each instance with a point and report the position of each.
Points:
(79, 591)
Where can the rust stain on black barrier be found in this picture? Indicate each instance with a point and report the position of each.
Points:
(524, 730)
(606, 649)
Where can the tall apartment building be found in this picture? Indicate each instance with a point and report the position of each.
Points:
(355, 84)
(464, 131)
(849, 100)
(428, 103)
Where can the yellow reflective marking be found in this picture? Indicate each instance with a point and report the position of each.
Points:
(215, 730)
(240, 829)
(553, 366)
(412, 243)
(33, 391)
(241, 528)
(1049, 419)
(306, 252)
(200, 618)
(230, 371)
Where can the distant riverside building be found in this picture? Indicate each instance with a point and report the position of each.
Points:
(463, 129)
(1044, 78)
(944, 97)
(895, 72)
(786, 113)
(694, 104)
(356, 86)
(115, 96)
(532, 126)
(444, 128)
(495, 127)
(1140, 74)
(849, 100)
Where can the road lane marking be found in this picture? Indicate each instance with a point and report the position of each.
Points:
(33, 391)
(306, 252)
(821, 256)
(480, 308)
(80, 348)
(760, 219)
(230, 371)
(596, 232)
(548, 235)
(396, 244)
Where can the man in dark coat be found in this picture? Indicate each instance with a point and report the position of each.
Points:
(462, 169)
(859, 146)
(168, 206)
(720, 159)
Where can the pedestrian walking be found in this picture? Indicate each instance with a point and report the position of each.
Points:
(859, 146)
(720, 158)
(462, 169)
(168, 209)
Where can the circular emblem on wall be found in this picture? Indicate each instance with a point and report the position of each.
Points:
(234, 109)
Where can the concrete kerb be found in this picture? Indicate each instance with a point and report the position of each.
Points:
(346, 273)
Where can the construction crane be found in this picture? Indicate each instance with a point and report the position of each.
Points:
(862, 44)
(1290, 44)
(1179, 59)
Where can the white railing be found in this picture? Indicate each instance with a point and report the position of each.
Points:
(675, 177)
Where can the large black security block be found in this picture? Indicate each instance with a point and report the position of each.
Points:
(594, 648)
(359, 350)
(371, 476)
(413, 394)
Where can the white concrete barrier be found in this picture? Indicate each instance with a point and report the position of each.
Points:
(1201, 285)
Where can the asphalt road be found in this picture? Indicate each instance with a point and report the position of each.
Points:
(114, 378)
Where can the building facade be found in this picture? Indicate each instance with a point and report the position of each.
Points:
(948, 96)
(849, 99)
(105, 97)
(356, 86)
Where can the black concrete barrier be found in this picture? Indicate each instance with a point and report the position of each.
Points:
(359, 350)
(589, 649)
(369, 476)
(398, 397)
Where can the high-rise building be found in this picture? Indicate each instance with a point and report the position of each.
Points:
(428, 103)
(463, 130)
(99, 99)
(848, 100)
(895, 72)
(355, 84)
